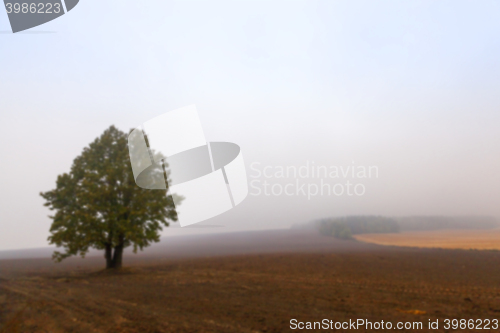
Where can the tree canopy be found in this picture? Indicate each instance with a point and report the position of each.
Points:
(98, 205)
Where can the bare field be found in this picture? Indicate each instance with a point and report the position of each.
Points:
(258, 292)
(444, 239)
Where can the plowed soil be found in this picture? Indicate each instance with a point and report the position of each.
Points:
(312, 278)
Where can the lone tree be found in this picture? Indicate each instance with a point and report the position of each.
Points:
(98, 205)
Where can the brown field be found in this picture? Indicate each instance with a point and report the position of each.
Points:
(444, 239)
(217, 288)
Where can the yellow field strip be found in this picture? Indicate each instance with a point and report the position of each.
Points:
(445, 239)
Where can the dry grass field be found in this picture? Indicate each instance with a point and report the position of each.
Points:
(444, 239)
(257, 292)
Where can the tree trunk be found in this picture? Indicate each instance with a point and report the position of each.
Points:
(113, 258)
(117, 256)
(107, 255)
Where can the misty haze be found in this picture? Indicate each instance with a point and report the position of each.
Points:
(342, 158)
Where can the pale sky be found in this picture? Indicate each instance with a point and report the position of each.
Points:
(411, 87)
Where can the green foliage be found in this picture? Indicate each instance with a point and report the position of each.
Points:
(98, 205)
(337, 230)
(345, 227)
(342, 231)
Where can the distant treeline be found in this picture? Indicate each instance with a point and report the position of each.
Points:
(345, 227)
(425, 223)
